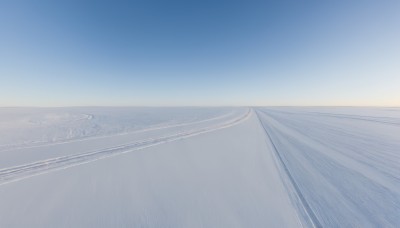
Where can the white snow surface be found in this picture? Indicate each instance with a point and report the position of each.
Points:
(21, 127)
(344, 163)
(200, 167)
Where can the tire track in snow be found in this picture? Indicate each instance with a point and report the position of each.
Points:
(382, 120)
(16, 173)
(9, 147)
(311, 215)
(335, 164)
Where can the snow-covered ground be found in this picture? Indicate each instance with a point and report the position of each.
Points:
(200, 167)
(343, 163)
(21, 127)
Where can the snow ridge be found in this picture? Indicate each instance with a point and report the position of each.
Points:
(311, 215)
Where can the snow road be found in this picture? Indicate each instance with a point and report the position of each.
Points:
(230, 167)
(221, 177)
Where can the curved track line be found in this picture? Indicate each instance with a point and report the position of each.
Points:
(47, 143)
(16, 173)
(313, 218)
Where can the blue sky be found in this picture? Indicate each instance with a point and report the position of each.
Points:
(72, 53)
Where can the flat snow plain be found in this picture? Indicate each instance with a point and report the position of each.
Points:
(200, 167)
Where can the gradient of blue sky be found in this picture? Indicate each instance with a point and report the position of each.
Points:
(62, 53)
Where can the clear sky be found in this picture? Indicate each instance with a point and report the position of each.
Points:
(72, 53)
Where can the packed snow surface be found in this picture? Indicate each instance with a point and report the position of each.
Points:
(200, 167)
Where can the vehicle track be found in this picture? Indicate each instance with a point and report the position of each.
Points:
(9, 147)
(376, 119)
(311, 215)
(16, 173)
